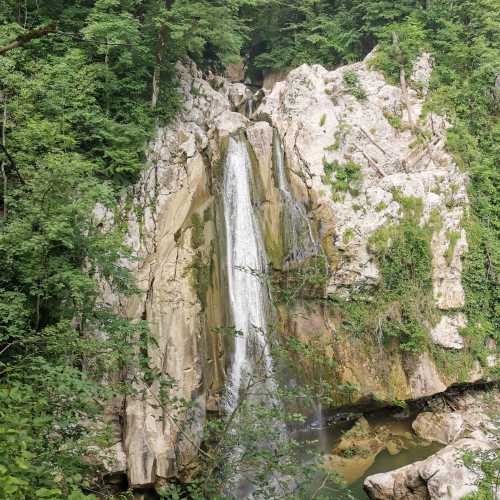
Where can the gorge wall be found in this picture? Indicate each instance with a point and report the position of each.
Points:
(360, 167)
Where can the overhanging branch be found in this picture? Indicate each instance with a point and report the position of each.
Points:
(27, 37)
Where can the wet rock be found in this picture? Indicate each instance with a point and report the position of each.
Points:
(444, 475)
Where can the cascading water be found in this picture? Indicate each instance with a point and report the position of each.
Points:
(246, 265)
(299, 241)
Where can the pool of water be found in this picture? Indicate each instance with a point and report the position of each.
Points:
(354, 471)
(385, 462)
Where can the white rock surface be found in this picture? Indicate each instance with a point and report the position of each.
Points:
(423, 377)
(318, 119)
(446, 333)
(441, 427)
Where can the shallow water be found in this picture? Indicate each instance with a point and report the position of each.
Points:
(386, 462)
(324, 440)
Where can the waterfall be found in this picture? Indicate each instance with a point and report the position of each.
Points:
(299, 242)
(246, 265)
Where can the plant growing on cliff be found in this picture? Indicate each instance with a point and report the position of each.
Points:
(342, 177)
(353, 85)
(485, 465)
(306, 280)
(401, 304)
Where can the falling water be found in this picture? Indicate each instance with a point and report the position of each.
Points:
(246, 264)
(298, 236)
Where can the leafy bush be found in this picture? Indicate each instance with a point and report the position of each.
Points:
(343, 177)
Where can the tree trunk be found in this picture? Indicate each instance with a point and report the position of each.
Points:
(159, 58)
(402, 77)
(158, 64)
(4, 173)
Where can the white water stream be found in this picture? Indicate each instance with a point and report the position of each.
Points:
(246, 265)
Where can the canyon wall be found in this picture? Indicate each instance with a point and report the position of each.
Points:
(356, 159)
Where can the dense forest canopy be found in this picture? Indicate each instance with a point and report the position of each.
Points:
(78, 105)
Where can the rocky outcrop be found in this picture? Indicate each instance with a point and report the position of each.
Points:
(352, 116)
(446, 332)
(320, 120)
(441, 476)
(441, 427)
(471, 428)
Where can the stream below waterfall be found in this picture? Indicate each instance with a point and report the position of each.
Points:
(389, 443)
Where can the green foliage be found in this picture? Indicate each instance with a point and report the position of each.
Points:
(351, 81)
(197, 237)
(453, 237)
(394, 120)
(77, 121)
(317, 31)
(306, 280)
(404, 256)
(343, 177)
(412, 41)
(485, 464)
(400, 306)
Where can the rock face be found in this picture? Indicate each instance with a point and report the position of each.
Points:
(177, 234)
(321, 120)
(173, 232)
(446, 334)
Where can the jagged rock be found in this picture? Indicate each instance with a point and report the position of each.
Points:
(446, 334)
(441, 427)
(320, 120)
(170, 191)
(229, 122)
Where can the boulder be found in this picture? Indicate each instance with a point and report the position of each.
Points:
(441, 476)
(441, 427)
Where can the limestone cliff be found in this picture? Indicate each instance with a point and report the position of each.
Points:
(350, 116)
